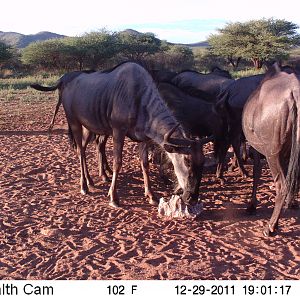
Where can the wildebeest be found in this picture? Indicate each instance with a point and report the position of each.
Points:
(271, 124)
(88, 136)
(197, 118)
(211, 83)
(218, 71)
(230, 105)
(162, 75)
(123, 102)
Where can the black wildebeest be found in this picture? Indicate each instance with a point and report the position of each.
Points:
(212, 83)
(271, 124)
(123, 102)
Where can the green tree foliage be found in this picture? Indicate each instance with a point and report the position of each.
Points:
(171, 57)
(256, 40)
(205, 61)
(100, 47)
(136, 45)
(93, 50)
(49, 54)
(75, 52)
(5, 52)
(180, 57)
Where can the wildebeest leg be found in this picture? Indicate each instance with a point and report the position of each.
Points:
(221, 161)
(86, 138)
(256, 177)
(236, 148)
(105, 162)
(102, 161)
(233, 163)
(118, 142)
(76, 130)
(143, 151)
(279, 181)
(244, 150)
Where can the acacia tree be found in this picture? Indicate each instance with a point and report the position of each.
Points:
(136, 45)
(226, 45)
(205, 61)
(257, 41)
(179, 57)
(100, 47)
(92, 50)
(75, 52)
(5, 52)
(171, 57)
(49, 54)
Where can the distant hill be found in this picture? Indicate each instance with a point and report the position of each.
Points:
(199, 44)
(19, 40)
(131, 32)
(192, 45)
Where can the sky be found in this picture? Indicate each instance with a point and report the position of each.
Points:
(178, 21)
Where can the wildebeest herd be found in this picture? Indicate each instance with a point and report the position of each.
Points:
(180, 112)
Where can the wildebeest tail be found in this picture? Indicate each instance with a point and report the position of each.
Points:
(293, 172)
(45, 88)
(71, 138)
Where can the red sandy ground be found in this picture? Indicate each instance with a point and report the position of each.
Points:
(48, 230)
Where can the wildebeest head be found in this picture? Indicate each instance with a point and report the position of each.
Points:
(188, 159)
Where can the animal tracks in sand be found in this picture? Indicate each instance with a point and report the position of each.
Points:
(48, 230)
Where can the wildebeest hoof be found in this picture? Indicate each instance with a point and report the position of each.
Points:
(269, 231)
(109, 171)
(104, 178)
(114, 203)
(84, 191)
(222, 181)
(91, 182)
(245, 175)
(231, 168)
(153, 201)
(251, 210)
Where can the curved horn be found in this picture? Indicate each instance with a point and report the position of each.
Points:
(186, 137)
(169, 133)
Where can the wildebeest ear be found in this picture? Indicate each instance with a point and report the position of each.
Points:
(174, 149)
